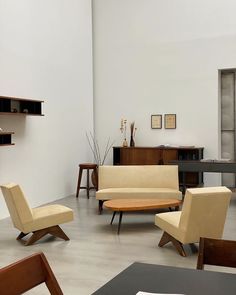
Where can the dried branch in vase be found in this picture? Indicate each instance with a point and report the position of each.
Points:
(132, 133)
(99, 157)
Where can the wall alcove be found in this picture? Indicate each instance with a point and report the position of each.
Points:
(17, 106)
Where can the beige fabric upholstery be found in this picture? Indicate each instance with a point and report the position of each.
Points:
(137, 193)
(28, 220)
(203, 215)
(149, 181)
(17, 205)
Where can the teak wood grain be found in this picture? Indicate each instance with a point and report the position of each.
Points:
(140, 204)
(216, 252)
(23, 275)
(160, 155)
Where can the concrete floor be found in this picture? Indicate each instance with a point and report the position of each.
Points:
(95, 253)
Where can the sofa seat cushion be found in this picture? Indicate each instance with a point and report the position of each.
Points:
(169, 222)
(47, 216)
(138, 193)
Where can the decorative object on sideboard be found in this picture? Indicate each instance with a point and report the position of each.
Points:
(132, 133)
(156, 121)
(123, 131)
(170, 121)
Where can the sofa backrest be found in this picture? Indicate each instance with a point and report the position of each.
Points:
(151, 176)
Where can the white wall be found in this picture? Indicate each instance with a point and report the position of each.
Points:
(46, 53)
(162, 56)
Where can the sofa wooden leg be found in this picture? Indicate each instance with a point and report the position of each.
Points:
(100, 206)
(166, 238)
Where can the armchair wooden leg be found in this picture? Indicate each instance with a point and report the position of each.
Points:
(21, 235)
(58, 232)
(55, 231)
(37, 235)
(166, 238)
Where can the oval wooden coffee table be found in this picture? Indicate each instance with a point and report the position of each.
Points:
(124, 205)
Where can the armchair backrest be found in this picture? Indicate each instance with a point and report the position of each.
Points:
(204, 212)
(216, 252)
(27, 273)
(17, 204)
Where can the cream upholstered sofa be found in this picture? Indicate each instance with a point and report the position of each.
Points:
(39, 221)
(137, 182)
(203, 215)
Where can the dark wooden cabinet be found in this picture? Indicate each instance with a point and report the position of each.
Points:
(20, 106)
(158, 156)
(5, 138)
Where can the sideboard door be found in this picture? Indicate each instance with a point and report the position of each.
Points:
(139, 156)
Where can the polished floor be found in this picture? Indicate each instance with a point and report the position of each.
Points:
(95, 253)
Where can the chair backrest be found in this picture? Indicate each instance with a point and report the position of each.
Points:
(23, 275)
(204, 212)
(140, 176)
(216, 252)
(17, 205)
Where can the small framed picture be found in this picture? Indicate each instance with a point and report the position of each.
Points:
(170, 121)
(156, 121)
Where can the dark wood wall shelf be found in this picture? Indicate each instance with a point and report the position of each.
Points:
(161, 155)
(20, 106)
(5, 138)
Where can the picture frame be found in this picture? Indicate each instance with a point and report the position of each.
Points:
(156, 121)
(170, 121)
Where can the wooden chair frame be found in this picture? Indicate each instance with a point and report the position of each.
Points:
(216, 252)
(55, 231)
(27, 273)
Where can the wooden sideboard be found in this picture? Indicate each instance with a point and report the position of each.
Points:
(158, 156)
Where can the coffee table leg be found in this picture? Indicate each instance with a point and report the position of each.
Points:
(120, 219)
(113, 216)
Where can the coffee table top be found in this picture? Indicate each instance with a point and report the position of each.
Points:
(140, 204)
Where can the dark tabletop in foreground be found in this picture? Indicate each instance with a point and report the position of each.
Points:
(165, 279)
